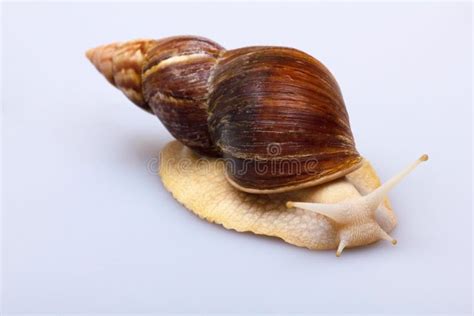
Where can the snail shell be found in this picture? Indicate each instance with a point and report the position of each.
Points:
(121, 65)
(175, 77)
(265, 109)
(274, 108)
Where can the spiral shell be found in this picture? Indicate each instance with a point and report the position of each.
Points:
(175, 84)
(121, 64)
(277, 114)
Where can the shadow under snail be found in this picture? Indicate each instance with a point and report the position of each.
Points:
(276, 117)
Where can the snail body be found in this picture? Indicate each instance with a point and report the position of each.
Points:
(276, 114)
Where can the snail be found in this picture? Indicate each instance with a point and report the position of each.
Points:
(265, 135)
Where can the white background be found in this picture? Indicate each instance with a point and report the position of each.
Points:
(88, 228)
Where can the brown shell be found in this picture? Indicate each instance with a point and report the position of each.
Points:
(277, 114)
(175, 85)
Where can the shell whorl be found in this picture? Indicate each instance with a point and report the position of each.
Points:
(238, 104)
(176, 76)
(167, 77)
(278, 115)
(121, 64)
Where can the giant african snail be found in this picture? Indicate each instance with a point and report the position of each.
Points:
(237, 104)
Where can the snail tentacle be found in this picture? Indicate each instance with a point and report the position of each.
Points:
(386, 236)
(376, 197)
(356, 217)
(340, 248)
(337, 212)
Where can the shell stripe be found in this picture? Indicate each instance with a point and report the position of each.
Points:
(173, 60)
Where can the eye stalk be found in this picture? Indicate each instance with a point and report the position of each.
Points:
(356, 218)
